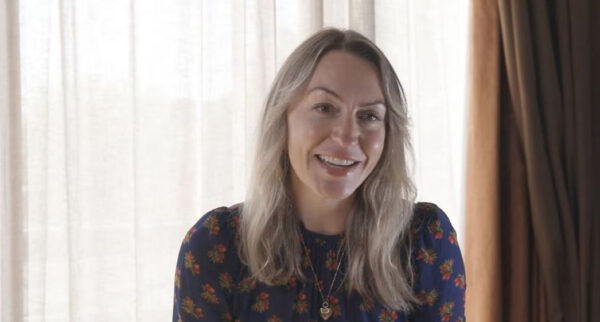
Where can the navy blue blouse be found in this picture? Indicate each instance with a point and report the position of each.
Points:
(211, 284)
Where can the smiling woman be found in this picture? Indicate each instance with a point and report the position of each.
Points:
(329, 229)
(335, 138)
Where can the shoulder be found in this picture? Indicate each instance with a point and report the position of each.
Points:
(426, 213)
(216, 224)
(207, 265)
(212, 239)
(439, 268)
(432, 232)
(431, 223)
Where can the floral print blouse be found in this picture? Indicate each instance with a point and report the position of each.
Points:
(211, 284)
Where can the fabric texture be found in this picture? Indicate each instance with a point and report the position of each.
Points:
(533, 150)
(212, 285)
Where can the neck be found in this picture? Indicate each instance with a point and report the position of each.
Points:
(324, 216)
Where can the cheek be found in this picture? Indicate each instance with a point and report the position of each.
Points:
(301, 136)
(294, 144)
(304, 133)
(373, 144)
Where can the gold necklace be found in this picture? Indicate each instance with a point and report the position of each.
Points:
(325, 311)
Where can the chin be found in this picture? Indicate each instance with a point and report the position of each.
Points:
(337, 191)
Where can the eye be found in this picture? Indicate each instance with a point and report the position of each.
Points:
(324, 108)
(369, 116)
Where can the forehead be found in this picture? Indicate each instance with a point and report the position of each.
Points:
(348, 75)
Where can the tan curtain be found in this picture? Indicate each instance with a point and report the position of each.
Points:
(532, 162)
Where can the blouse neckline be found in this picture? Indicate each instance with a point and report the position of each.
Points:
(311, 237)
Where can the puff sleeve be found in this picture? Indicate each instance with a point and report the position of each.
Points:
(206, 266)
(440, 281)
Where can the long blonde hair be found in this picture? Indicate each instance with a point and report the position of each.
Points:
(378, 264)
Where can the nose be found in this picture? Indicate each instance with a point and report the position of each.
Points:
(345, 132)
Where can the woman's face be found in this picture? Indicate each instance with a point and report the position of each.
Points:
(336, 127)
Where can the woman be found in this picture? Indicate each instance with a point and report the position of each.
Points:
(329, 229)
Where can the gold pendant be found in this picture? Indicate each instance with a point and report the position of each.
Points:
(325, 311)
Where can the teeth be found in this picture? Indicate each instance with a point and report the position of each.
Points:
(336, 161)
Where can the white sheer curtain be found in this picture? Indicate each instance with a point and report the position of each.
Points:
(124, 121)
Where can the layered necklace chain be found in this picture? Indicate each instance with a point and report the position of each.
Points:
(325, 311)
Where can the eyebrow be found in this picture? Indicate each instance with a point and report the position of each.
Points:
(329, 91)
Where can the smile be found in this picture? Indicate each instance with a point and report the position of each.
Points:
(335, 161)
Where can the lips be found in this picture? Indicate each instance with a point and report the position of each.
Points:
(333, 161)
(336, 167)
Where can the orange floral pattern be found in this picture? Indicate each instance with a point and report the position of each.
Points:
(300, 306)
(226, 281)
(446, 269)
(262, 302)
(388, 316)
(427, 255)
(367, 305)
(213, 225)
(435, 228)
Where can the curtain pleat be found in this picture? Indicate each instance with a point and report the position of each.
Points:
(514, 224)
(13, 181)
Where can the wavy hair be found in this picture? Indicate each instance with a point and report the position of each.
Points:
(378, 264)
